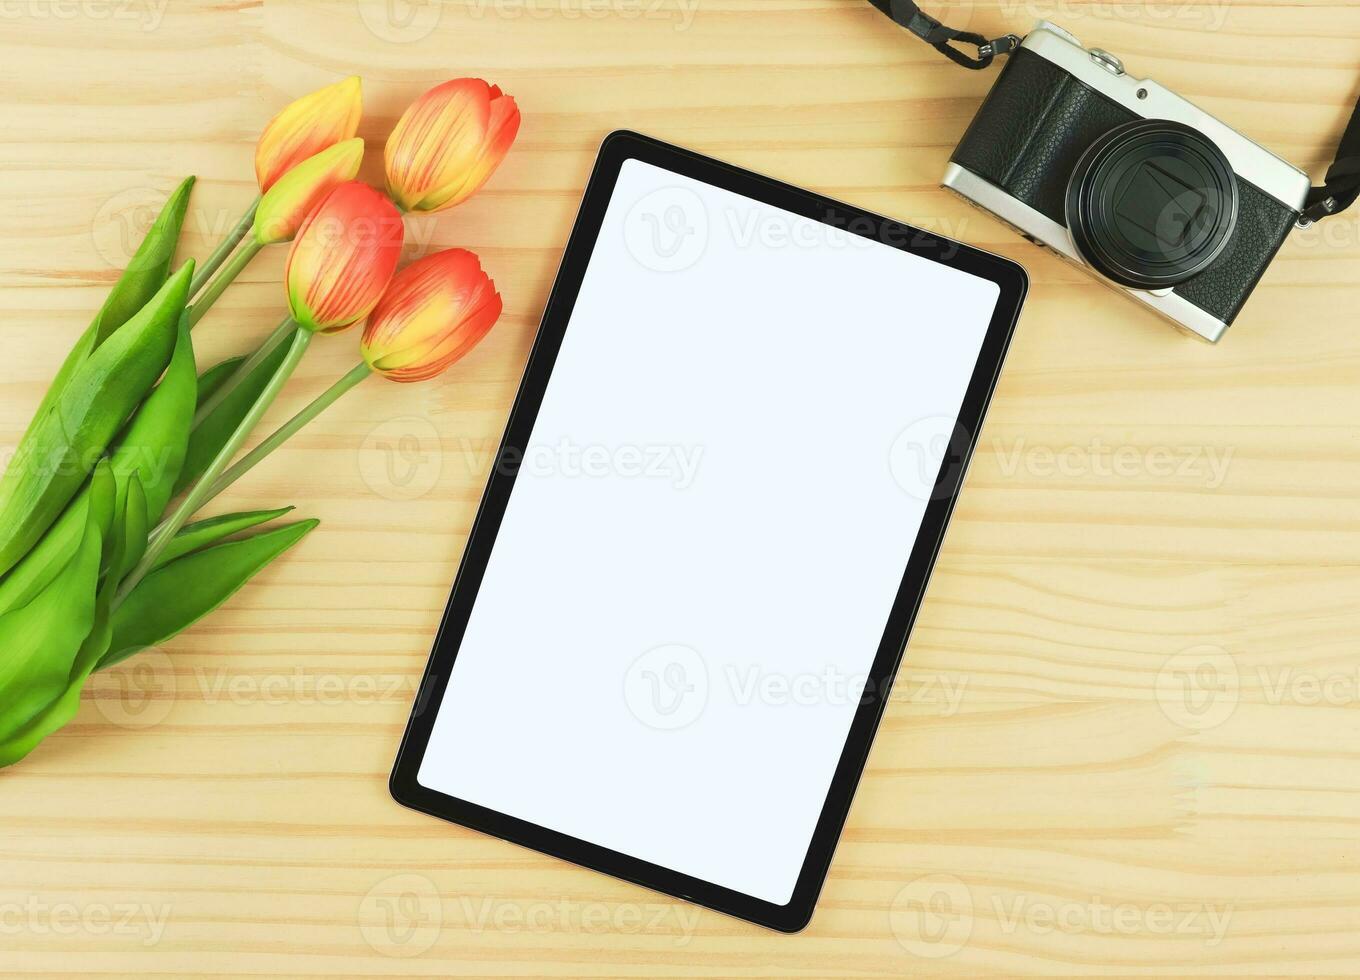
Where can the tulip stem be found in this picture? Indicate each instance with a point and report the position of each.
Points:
(247, 367)
(286, 431)
(168, 528)
(224, 248)
(223, 279)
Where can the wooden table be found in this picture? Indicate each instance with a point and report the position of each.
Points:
(1132, 701)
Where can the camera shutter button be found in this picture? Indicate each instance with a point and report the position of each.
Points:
(1107, 61)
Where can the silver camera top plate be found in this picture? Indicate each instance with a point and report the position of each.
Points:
(1144, 97)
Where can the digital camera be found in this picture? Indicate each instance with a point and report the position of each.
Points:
(1150, 193)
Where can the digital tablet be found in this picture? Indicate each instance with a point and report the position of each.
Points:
(708, 529)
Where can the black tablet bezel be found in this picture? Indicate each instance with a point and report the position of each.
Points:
(617, 148)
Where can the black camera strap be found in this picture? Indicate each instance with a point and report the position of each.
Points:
(1338, 191)
(1342, 184)
(939, 37)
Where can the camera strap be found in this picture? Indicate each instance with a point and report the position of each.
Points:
(939, 37)
(1342, 184)
(1337, 192)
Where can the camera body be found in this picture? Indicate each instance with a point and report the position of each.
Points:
(1132, 182)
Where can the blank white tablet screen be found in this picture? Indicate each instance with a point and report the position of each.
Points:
(709, 527)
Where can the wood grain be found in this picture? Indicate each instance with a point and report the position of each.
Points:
(220, 807)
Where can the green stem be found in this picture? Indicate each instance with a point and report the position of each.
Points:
(243, 370)
(286, 431)
(223, 279)
(196, 497)
(224, 248)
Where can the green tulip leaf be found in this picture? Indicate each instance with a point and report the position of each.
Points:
(53, 461)
(176, 596)
(57, 714)
(212, 433)
(40, 640)
(142, 279)
(149, 268)
(201, 534)
(155, 441)
(51, 554)
(212, 379)
(129, 537)
(20, 738)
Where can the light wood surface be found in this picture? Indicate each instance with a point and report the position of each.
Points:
(1133, 728)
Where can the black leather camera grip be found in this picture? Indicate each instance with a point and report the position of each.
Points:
(1033, 127)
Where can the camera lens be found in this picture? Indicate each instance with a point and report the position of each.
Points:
(1151, 203)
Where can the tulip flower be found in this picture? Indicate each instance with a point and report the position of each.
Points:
(286, 205)
(304, 128)
(448, 143)
(307, 126)
(343, 258)
(341, 261)
(280, 213)
(434, 312)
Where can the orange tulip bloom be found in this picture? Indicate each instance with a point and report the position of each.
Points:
(306, 127)
(297, 193)
(434, 312)
(343, 258)
(448, 143)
